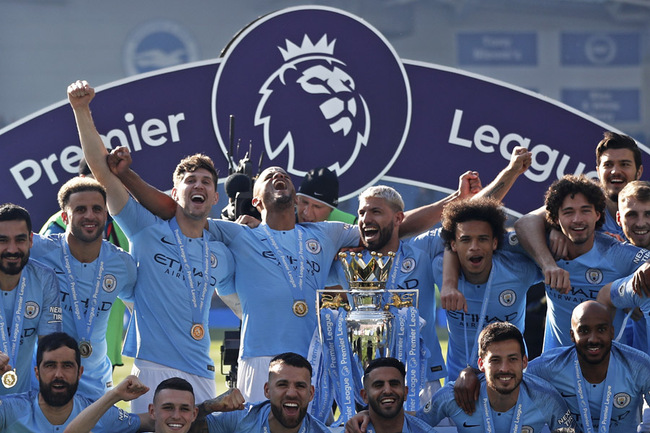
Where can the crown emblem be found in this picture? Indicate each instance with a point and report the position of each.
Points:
(307, 48)
(372, 275)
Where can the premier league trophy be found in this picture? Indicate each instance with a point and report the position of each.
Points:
(357, 325)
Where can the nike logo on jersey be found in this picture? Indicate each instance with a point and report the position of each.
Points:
(165, 241)
(470, 425)
(566, 394)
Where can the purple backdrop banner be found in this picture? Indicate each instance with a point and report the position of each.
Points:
(310, 86)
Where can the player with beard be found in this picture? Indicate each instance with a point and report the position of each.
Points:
(508, 399)
(279, 264)
(381, 213)
(56, 403)
(596, 375)
(179, 265)
(88, 268)
(27, 287)
(288, 392)
(576, 206)
(385, 391)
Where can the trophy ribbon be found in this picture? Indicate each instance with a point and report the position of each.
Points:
(10, 344)
(197, 331)
(321, 404)
(337, 350)
(84, 323)
(413, 359)
(299, 306)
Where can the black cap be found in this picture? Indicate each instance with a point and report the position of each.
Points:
(321, 184)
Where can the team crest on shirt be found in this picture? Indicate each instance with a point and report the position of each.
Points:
(31, 309)
(110, 283)
(507, 298)
(213, 260)
(527, 429)
(621, 400)
(408, 265)
(427, 407)
(513, 239)
(594, 276)
(313, 246)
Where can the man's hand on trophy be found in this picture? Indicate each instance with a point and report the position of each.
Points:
(358, 423)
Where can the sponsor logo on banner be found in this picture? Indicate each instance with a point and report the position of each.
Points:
(157, 45)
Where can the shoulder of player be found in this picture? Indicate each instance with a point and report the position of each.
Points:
(630, 357)
(38, 269)
(552, 359)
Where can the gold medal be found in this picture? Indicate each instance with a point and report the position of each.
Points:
(300, 308)
(197, 331)
(9, 379)
(85, 349)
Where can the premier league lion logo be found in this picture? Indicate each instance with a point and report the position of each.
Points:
(325, 96)
(313, 86)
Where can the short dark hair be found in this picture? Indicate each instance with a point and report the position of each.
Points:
(384, 362)
(78, 184)
(499, 331)
(13, 212)
(191, 163)
(52, 342)
(488, 210)
(570, 185)
(292, 359)
(612, 140)
(176, 383)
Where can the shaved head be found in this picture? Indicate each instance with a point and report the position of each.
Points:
(590, 309)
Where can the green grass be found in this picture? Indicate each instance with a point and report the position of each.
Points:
(216, 337)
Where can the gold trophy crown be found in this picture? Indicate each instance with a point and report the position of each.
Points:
(366, 276)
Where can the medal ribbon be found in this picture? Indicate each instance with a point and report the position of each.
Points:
(84, 324)
(296, 287)
(487, 413)
(481, 321)
(583, 401)
(413, 359)
(10, 347)
(197, 305)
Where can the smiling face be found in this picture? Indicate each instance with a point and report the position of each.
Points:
(85, 215)
(615, 169)
(378, 224)
(289, 390)
(15, 242)
(195, 194)
(58, 376)
(474, 244)
(503, 365)
(577, 219)
(592, 333)
(634, 218)
(274, 190)
(385, 392)
(173, 410)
